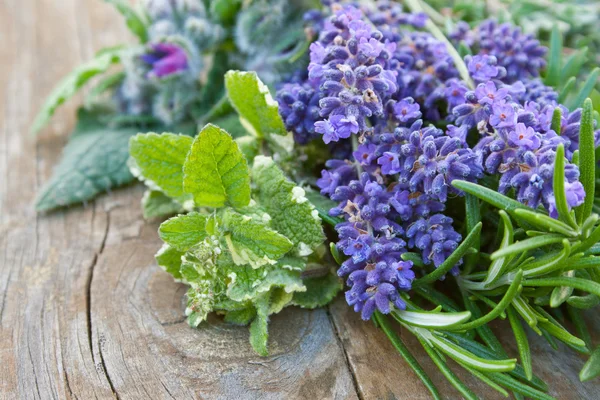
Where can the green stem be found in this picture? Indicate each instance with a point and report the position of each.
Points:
(416, 6)
(385, 325)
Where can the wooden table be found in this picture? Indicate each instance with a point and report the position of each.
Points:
(86, 313)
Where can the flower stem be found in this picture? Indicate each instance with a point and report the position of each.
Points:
(385, 325)
(416, 6)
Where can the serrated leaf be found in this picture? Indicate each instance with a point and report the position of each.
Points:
(71, 83)
(241, 317)
(93, 161)
(251, 241)
(254, 104)
(158, 161)
(133, 20)
(184, 231)
(215, 170)
(169, 259)
(279, 300)
(247, 283)
(319, 291)
(291, 213)
(156, 204)
(259, 327)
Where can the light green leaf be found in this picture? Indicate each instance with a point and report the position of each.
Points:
(156, 204)
(70, 84)
(432, 320)
(489, 196)
(279, 300)
(291, 212)
(158, 160)
(184, 231)
(249, 146)
(169, 259)
(135, 22)
(215, 171)
(559, 182)
(252, 242)
(555, 59)
(93, 161)
(587, 161)
(591, 368)
(319, 291)
(254, 104)
(248, 283)
(258, 329)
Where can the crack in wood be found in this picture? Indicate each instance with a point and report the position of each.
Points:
(346, 358)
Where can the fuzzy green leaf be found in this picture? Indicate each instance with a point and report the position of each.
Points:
(247, 283)
(156, 204)
(251, 241)
(259, 328)
(291, 212)
(215, 170)
(184, 231)
(319, 291)
(158, 160)
(241, 317)
(169, 259)
(70, 84)
(587, 161)
(93, 161)
(254, 103)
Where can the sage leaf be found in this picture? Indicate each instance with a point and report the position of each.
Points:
(93, 161)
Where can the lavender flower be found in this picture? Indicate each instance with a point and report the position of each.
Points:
(521, 55)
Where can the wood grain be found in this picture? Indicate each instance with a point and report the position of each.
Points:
(86, 313)
(84, 310)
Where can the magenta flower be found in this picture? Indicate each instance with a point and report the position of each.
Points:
(165, 59)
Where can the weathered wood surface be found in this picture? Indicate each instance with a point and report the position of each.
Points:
(85, 312)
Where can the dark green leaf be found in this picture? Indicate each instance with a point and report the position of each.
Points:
(93, 161)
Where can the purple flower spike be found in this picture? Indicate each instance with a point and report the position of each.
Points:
(165, 59)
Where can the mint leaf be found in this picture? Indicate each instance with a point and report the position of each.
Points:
(258, 329)
(252, 242)
(93, 161)
(71, 83)
(254, 104)
(215, 171)
(156, 204)
(291, 212)
(158, 160)
(279, 300)
(247, 283)
(184, 231)
(319, 291)
(169, 259)
(241, 317)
